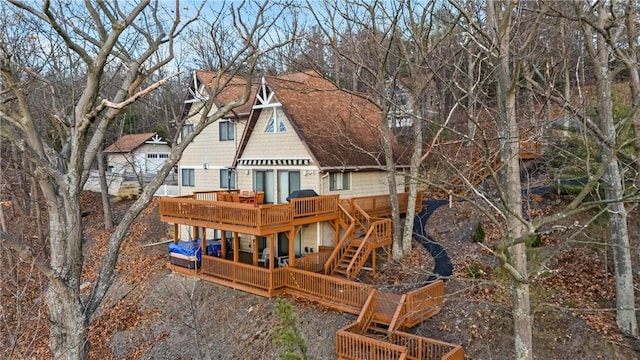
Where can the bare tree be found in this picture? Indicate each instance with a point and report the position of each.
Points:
(137, 41)
(375, 24)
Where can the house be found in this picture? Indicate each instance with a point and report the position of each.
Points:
(137, 154)
(299, 133)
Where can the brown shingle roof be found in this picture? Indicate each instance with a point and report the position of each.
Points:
(128, 143)
(226, 89)
(341, 130)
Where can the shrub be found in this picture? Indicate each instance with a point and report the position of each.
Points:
(478, 234)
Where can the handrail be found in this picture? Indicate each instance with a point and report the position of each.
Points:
(350, 345)
(361, 255)
(379, 229)
(396, 320)
(342, 245)
(367, 313)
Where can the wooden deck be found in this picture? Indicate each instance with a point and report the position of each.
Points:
(204, 209)
(377, 334)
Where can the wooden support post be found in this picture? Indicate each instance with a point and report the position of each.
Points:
(194, 231)
(292, 248)
(373, 261)
(204, 241)
(255, 251)
(236, 247)
(176, 228)
(272, 248)
(223, 244)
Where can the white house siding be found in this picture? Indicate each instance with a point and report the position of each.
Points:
(120, 162)
(141, 157)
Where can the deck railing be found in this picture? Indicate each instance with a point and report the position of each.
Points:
(343, 244)
(367, 313)
(203, 207)
(348, 294)
(316, 205)
(423, 303)
(381, 205)
(351, 345)
(313, 262)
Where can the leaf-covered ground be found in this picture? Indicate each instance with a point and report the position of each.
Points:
(150, 313)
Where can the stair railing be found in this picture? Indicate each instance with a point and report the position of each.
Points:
(398, 316)
(338, 251)
(367, 313)
(365, 249)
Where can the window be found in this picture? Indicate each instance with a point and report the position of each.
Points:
(275, 123)
(339, 181)
(186, 130)
(227, 130)
(227, 179)
(264, 181)
(157, 156)
(188, 177)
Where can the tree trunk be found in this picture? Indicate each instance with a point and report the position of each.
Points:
(414, 172)
(499, 17)
(68, 315)
(68, 323)
(104, 190)
(601, 53)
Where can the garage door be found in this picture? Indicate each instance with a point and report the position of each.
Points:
(155, 161)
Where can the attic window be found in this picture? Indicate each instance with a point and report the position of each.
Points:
(275, 123)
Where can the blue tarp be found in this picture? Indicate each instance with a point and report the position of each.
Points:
(193, 248)
(187, 248)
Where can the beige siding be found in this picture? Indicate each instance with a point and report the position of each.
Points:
(207, 149)
(276, 145)
(368, 183)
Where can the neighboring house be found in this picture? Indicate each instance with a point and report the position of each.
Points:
(299, 132)
(137, 154)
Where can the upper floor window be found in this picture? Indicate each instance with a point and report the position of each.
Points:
(227, 130)
(339, 181)
(188, 177)
(275, 123)
(186, 130)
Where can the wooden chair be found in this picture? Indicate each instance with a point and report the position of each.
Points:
(260, 197)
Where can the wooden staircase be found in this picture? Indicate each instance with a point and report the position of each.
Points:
(377, 333)
(345, 261)
(353, 251)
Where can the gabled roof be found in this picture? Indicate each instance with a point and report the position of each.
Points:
(128, 143)
(227, 88)
(340, 130)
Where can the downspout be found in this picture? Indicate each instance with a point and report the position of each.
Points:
(326, 175)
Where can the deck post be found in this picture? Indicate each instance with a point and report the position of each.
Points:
(203, 241)
(292, 248)
(236, 247)
(175, 232)
(223, 244)
(255, 250)
(272, 248)
(373, 260)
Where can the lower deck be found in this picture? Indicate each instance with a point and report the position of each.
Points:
(311, 277)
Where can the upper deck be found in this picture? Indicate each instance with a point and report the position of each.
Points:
(249, 217)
